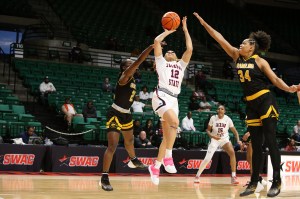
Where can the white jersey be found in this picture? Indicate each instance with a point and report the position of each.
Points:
(220, 126)
(170, 74)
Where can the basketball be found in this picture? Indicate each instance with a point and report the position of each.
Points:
(170, 21)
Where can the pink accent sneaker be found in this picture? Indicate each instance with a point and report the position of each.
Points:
(154, 173)
(197, 179)
(169, 165)
(234, 180)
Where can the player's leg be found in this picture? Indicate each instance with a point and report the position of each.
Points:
(170, 126)
(165, 150)
(269, 129)
(230, 151)
(162, 148)
(269, 118)
(113, 140)
(256, 141)
(155, 169)
(212, 147)
(261, 182)
(129, 146)
(129, 142)
(167, 109)
(249, 155)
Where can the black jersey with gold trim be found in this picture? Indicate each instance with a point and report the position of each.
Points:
(124, 94)
(251, 77)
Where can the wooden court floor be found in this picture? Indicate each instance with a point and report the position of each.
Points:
(132, 186)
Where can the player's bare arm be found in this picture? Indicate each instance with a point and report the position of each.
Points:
(266, 69)
(158, 41)
(229, 49)
(236, 134)
(128, 73)
(188, 41)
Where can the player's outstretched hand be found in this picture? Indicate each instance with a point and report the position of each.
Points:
(293, 88)
(184, 26)
(199, 18)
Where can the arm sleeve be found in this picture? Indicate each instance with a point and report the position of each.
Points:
(184, 124)
(42, 88)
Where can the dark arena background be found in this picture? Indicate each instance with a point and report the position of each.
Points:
(78, 46)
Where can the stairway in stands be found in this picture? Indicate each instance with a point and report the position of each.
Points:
(42, 114)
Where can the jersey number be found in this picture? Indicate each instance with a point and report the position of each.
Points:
(244, 76)
(174, 74)
(132, 96)
(220, 132)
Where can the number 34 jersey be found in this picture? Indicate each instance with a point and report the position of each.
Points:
(251, 77)
(219, 126)
(170, 74)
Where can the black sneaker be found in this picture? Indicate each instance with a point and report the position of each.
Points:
(136, 163)
(275, 188)
(251, 186)
(105, 184)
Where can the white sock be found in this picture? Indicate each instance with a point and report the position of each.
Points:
(202, 166)
(168, 153)
(157, 164)
(233, 174)
(198, 173)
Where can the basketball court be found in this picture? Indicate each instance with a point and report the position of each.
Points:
(68, 186)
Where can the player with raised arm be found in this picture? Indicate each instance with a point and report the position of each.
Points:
(119, 118)
(170, 73)
(261, 108)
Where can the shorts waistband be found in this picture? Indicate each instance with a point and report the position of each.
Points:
(167, 92)
(256, 95)
(120, 109)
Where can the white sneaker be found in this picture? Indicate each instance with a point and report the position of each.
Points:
(131, 165)
(197, 179)
(263, 182)
(169, 165)
(260, 185)
(234, 180)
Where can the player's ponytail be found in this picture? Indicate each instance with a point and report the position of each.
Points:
(261, 39)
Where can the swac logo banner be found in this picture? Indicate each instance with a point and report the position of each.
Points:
(243, 165)
(144, 160)
(79, 161)
(290, 165)
(193, 164)
(17, 159)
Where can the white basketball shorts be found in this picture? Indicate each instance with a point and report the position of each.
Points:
(161, 102)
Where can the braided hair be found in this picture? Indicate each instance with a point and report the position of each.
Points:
(261, 40)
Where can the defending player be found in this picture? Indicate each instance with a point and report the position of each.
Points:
(261, 107)
(119, 118)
